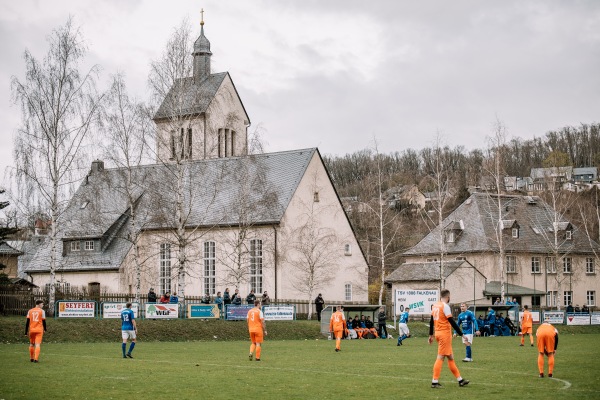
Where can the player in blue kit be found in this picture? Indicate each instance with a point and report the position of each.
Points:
(468, 324)
(403, 331)
(128, 330)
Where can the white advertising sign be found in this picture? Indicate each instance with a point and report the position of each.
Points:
(76, 309)
(535, 316)
(278, 313)
(595, 318)
(113, 310)
(162, 311)
(578, 319)
(554, 317)
(419, 301)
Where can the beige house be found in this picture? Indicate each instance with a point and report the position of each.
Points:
(547, 261)
(208, 216)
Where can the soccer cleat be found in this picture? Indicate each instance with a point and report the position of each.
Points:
(467, 359)
(549, 375)
(521, 345)
(31, 359)
(541, 375)
(435, 385)
(250, 357)
(531, 344)
(129, 355)
(336, 350)
(124, 356)
(463, 382)
(35, 361)
(258, 359)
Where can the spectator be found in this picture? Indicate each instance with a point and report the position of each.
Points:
(491, 320)
(319, 302)
(236, 299)
(381, 320)
(226, 297)
(509, 324)
(497, 302)
(570, 308)
(577, 309)
(165, 298)
(251, 297)
(151, 296)
(174, 299)
(219, 302)
(205, 298)
(351, 332)
(480, 322)
(585, 309)
(266, 300)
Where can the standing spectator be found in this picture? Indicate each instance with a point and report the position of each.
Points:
(257, 329)
(219, 302)
(35, 326)
(266, 300)
(205, 298)
(570, 308)
(526, 325)
(337, 324)
(547, 343)
(151, 296)
(441, 319)
(174, 299)
(165, 298)
(509, 324)
(128, 330)
(319, 302)
(236, 298)
(251, 297)
(403, 331)
(577, 309)
(226, 297)
(466, 320)
(381, 320)
(585, 309)
(491, 320)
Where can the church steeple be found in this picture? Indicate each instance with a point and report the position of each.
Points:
(201, 54)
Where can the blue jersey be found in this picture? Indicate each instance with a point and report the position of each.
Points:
(492, 317)
(467, 322)
(127, 318)
(404, 317)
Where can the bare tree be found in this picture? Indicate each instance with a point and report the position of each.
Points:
(58, 104)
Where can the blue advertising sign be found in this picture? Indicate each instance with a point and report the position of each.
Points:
(204, 311)
(238, 313)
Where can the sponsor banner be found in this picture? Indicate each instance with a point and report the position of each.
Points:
(113, 310)
(578, 319)
(554, 317)
(204, 311)
(279, 313)
(162, 311)
(76, 309)
(535, 316)
(238, 313)
(595, 318)
(419, 301)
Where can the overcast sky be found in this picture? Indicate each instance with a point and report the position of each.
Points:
(335, 74)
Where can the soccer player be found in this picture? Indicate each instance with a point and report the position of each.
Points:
(468, 323)
(337, 323)
(403, 331)
(547, 343)
(526, 326)
(257, 329)
(128, 330)
(441, 319)
(35, 328)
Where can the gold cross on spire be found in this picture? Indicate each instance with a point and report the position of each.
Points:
(202, 16)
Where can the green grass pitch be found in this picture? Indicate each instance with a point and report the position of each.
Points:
(297, 369)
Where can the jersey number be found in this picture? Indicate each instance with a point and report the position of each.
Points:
(36, 317)
(436, 313)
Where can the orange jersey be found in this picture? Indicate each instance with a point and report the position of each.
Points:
(255, 320)
(36, 316)
(546, 329)
(546, 338)
(441, 312)
(337, 321)
(527, 321)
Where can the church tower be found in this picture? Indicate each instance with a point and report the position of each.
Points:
(201, 55)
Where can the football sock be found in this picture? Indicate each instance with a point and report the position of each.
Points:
(337, 343)
(437, 369)
(258, 350)
(522, 339)
(404, 337)
(31, 352)
(131, 346)
(541, 363)
(468, 351)
(37, 352)
(531, 339)
(124, 348)
(453, 368)
(550, 363)
(252, 347)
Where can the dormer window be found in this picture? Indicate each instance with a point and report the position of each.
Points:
(450, 237)
(84, 204)
(569, 235)
(89, 245)
(515, 232)
(316, 197)
(453, 230)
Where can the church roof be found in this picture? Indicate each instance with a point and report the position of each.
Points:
(217, 192)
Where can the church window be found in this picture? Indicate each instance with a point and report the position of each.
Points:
(209, 267)
(256, 265)
(165, 268)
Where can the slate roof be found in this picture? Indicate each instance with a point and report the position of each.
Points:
(213, 196)
(493, 289)
(7, 249)
(423, 271)
(479, 214)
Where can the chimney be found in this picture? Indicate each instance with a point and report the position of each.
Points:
(97, 166)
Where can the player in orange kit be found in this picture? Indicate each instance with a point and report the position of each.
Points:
(441, 319)
(547, 343)
(35, 328)
(337, 324)
(526, 326)
(257, 329)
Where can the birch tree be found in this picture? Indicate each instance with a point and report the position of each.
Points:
(59, 104)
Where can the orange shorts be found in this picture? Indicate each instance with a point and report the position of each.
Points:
(256, 337)
(444, 344)
(526, 330)
(35, 337)
(338, 334)
(545, 343)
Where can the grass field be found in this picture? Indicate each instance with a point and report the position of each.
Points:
(296, 369)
